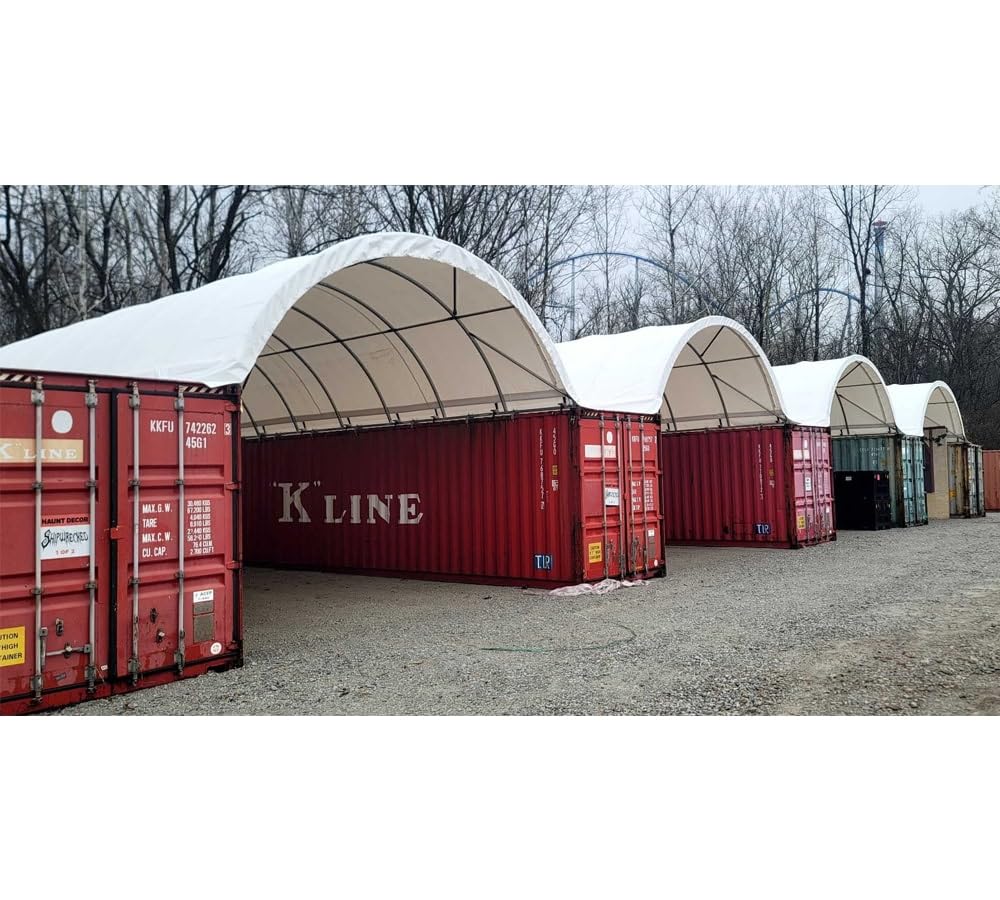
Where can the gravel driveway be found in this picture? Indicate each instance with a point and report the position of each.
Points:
(902, 621)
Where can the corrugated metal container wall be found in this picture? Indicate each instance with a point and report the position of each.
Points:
(911, 472)
(543, 499)
(965, 480)
(977, 500)
(958, 481)
(868, 454)
(939, 500)
(95, 597)
(991, 480)
(767, 486)
(902, 457)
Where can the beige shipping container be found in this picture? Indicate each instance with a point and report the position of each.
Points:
(939, 499)
(958, 478)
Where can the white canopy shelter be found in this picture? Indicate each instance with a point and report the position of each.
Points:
(706, 374)
(847, 395)
(930, 405)
(377, 329)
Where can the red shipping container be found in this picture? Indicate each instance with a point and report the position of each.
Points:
(95, 597)
(768, 486)
(991, 480)
(536, 499)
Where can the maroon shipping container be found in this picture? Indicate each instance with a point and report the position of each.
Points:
(95, 596)
(769, 486)
(991, 480)
(536, 499)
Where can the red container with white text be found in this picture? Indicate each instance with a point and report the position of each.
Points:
(768, 486)
(540, 499)
(102, 482)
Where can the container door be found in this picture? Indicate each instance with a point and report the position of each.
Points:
(645, 552)
(53, 541)
(970, 479)
(955, 470)
(603, 525)
(896, 469)
(176, 538)
(981, 495)
(973, 479)
(811, 461)
(919, 480)
(991, 480)
(907, 482)
(901, 513)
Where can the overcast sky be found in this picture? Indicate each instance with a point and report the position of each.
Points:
(946, 198)
(936, 199)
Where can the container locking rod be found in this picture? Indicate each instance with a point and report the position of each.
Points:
(38, 399)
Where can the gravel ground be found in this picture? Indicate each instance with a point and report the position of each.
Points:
(896, 622)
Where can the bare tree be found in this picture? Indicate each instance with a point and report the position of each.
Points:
(33, 238)
(299, 220)
(607, 226)
(667, 210)
(193, 233)
(484, 219)
(551, 223)
(858, 208)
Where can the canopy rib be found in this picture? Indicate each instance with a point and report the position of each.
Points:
(354, 356)
(402, 339)
(461, 324)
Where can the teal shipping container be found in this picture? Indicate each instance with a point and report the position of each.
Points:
(910, 480)
(901, 456)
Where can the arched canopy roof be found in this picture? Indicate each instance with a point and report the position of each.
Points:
(929, 405)
(847, 395)
(706, 374)
(377, 329)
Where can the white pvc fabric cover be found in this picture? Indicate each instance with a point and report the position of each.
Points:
(377, 329)
(929, 405)
(848, 396)
(710, 373)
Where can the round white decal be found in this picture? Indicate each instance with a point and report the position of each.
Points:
(610, 437)
(62, 421)
(216, 648)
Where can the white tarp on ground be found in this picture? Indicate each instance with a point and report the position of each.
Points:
(376, 329)
(706, 374)
(847, 395)
(928, 405)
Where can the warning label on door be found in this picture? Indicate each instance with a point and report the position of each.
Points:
(61, 537)
(612, 497)
(801, 523)
(594, 553)
(12, 646)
